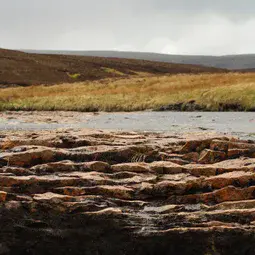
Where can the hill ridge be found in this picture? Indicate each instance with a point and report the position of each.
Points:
(23, 68)
(232, 62)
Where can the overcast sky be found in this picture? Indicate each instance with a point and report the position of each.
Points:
(210, 27)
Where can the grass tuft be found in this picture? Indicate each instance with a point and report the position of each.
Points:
(111, 70)
(74, 76)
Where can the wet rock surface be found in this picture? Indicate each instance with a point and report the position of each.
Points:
(94, 192)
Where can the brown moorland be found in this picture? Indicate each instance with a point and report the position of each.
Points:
(24, 69)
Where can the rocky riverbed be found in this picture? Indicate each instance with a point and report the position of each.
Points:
(102, 192)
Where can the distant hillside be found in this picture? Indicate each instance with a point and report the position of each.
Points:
(19, 68)
(232, 62)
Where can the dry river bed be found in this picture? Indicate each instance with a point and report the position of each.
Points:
(93, 191)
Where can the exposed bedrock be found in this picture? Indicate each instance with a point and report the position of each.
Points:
(126, 193)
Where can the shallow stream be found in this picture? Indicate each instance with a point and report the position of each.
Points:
(240, 124)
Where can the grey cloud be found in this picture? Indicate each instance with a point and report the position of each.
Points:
(181, 27)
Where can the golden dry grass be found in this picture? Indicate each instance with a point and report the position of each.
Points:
(132, 94)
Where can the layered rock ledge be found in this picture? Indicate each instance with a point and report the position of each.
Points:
(92, 192)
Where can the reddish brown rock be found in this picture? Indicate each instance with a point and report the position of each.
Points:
(219, 145)
(201, 170)
(165, 167)
(52, 198)
(97, 166)
(192, 156)
(242, 145)
(31, 156)
(210, 156)
(235, 153)
(2, 196)
(195, 145)
(229, 193)
(131, 167)
(124, 193)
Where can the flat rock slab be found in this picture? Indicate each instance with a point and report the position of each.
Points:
(94, 192)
